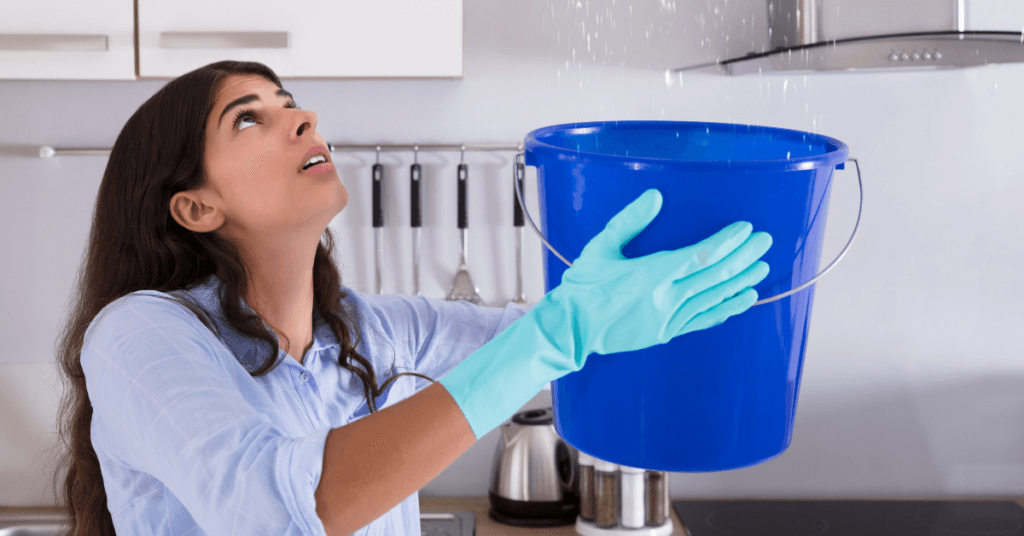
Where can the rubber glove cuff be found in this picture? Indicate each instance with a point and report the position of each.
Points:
(498, 379)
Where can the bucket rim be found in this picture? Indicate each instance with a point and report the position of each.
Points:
(837, 154)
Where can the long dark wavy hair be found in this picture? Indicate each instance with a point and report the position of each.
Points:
(159, 153)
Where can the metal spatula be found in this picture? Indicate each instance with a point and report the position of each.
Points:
(463, 288)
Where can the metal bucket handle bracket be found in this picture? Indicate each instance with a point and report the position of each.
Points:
(860, 210)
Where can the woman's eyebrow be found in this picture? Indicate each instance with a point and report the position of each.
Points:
(250, 98)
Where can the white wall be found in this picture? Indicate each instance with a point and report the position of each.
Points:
(914, 375)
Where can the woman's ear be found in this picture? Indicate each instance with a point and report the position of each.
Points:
(191, 212)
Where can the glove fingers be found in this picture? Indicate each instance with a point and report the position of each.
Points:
(691, 308)
(738, 260)
(710, 251)
(628, 223)
(720, 313)
(753, 248)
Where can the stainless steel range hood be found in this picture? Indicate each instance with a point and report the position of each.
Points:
(874, 35)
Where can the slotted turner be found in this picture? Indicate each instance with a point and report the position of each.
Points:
(462, 287)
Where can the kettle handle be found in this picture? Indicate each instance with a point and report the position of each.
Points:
(564, 453)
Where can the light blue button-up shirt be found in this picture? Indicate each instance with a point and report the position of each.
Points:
(190, 443)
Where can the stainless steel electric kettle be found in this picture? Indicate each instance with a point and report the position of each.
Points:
(533, 478)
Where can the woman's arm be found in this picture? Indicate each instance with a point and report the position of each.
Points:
(373, 464)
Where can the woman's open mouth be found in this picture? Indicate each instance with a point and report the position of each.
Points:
(319, 168)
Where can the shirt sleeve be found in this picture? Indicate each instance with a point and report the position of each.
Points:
(440, 334)
(165, 404)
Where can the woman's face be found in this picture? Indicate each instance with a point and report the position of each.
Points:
(255, 153)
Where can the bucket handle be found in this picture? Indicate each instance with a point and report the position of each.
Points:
(860, 210)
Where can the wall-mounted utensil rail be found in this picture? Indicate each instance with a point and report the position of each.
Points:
(47, 151)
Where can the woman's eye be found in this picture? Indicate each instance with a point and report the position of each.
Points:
(244, 114)
(251, 114)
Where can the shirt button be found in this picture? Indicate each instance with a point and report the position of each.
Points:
(304, 376)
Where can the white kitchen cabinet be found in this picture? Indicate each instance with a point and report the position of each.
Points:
(316, 39)
(67, 40)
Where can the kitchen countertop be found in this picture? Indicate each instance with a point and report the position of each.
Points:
(485, 526)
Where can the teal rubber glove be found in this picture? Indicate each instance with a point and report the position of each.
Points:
(606, 304)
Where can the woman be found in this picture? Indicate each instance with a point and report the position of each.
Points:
(218, 371)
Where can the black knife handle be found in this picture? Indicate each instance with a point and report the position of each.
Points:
(517, 214)
(378, 195)
(463, 175)
(415, 173)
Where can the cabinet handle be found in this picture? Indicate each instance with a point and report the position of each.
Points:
(62, 42)
(224, 40)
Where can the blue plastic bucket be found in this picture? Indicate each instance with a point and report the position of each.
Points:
(715, 399)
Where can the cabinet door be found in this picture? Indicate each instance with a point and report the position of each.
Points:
(67, 40)
(315, 39)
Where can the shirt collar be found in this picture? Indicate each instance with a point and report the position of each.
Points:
(210, 295)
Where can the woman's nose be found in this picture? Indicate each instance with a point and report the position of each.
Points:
(306, 120)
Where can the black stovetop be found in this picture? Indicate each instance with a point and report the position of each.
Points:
(850, 518)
